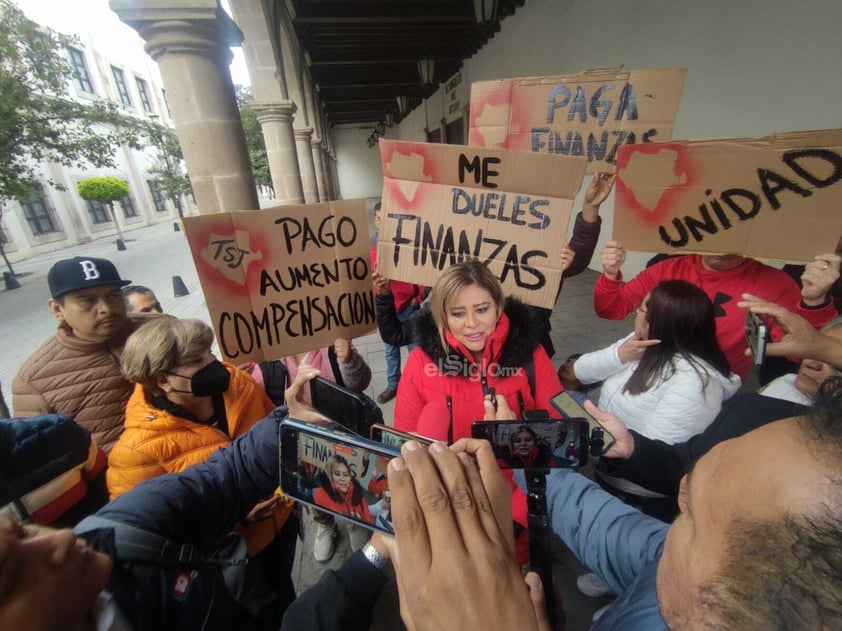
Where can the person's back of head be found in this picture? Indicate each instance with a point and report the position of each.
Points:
(786, 573)
(682, 317)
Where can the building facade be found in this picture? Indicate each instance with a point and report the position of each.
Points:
(52, 219)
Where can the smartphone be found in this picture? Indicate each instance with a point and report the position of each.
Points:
(530, 444)
(395, 438)
(344, 406)
(568, 407)
(757, 334)
(336, 471)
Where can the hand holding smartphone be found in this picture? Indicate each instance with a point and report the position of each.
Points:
(332, 469)
(568, 407)
(757, 334)
(346, 407)
(536, 444)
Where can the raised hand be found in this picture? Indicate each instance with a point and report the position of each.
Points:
(599, 189)
(382, 286)
(613, 257)
(343, 349)
(567, 256)
(633, 348)
(818, 278)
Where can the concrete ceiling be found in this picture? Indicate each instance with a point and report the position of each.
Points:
(363, 54)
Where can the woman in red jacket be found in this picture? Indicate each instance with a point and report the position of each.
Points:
(474, 343)
(340, 492)
(474, 346)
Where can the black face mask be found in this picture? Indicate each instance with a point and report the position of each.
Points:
(210, 380)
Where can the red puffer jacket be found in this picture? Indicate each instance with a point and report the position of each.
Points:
(437, 380)
(442, 390)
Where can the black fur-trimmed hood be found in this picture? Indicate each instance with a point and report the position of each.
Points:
(519, 346)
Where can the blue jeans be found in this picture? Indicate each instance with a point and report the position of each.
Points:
(393, 354)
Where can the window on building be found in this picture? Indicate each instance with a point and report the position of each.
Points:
(4, 238)
(37, 213)
(122, 88)
(157, 196)
(99, 212)
(166, 102)
(80, 70)
(144, 95)
(128, 207)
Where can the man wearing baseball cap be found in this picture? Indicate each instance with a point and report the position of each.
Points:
(76, 372)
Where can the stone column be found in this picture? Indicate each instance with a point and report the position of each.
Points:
(190, 41)
(306, 165)
(316, 148)
(337, 190)
(276, 120)
(272, 102)
(326, 169)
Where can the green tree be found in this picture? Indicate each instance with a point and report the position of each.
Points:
(39, 122)
(254, 138)
(105, 190)
(167, 168)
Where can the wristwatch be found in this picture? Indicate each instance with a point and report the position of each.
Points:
(374, 557)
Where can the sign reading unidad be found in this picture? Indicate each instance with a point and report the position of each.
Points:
(777, 197)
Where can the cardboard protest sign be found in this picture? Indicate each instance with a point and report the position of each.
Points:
(316, 450)
(589, 114)
(777, 197)
(284, 280)
(446, 203)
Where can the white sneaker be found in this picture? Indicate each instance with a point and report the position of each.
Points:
(323, 545)
(358, 536)
(593, 586)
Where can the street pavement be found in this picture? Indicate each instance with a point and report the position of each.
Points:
(155, 254)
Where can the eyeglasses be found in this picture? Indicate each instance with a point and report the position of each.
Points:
(640, 309)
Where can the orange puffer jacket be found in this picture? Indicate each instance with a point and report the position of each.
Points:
(155, 442)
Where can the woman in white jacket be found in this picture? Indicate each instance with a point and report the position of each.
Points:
(669, 378)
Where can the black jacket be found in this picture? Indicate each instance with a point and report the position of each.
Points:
(657, 466)
(342, 600)
(197, 507)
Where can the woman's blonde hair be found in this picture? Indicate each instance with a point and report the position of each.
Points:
(161, 345)
(453, 280)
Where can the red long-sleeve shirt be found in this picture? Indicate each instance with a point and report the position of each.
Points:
(614, 299)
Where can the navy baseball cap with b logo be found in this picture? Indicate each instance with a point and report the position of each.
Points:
(82, 272)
